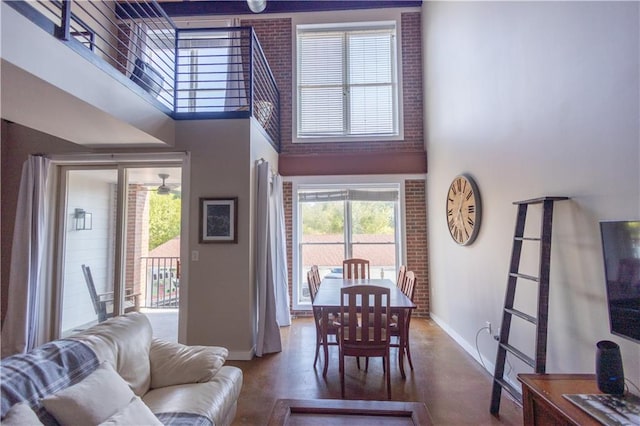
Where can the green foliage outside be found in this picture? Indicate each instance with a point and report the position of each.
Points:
(164, 218)
(374, 218)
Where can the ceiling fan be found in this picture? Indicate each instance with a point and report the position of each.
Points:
(163, 189)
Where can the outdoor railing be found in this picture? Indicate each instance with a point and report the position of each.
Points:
(188, 73)
(161, 288)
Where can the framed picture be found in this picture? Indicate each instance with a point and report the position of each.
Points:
(219, 220)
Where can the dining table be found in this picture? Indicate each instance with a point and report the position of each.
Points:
(328, 301)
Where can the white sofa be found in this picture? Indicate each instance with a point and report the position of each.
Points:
(180, 385)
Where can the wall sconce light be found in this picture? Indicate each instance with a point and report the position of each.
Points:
(83, 220)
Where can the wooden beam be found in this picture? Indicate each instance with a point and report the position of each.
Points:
(353, 163)
(224, 7)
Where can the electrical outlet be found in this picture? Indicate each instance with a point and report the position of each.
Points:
(488, 325)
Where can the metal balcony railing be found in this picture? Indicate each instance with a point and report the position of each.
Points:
(161, 287)
(203, 73)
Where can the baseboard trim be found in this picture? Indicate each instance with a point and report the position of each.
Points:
(488, 365)
(242, 355)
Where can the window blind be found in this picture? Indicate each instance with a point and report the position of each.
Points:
(347, 83)
(348, 194)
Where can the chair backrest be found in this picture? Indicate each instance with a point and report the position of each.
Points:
(372, 332)
(401, 273)
(409, 287)
(355, 268)
(313, 281)
(88, 278)
(316, 273)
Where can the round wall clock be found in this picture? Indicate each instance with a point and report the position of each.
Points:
(464, 210)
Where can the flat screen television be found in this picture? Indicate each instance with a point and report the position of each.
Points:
(621, 250)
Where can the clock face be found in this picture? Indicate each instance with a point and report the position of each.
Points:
(463, 210)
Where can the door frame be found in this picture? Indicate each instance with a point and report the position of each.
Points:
(119, 162)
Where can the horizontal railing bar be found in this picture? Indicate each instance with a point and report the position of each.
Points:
(183, 82)
(242, 29)
(107, 30)
(169, 46)
(222, 66)
(54, 11)
(125, 7)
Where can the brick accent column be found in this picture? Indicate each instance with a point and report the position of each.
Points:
(137, 243)
(416, 241)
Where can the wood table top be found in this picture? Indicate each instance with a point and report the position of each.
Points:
(328, 295)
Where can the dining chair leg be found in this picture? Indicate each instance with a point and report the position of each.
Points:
(388, 374)
(341, 368)
(325, 343)
(408, 352)
(406, 339)
(318, 343)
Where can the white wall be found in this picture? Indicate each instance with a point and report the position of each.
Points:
(91, 247)
(532, 99)
(221, 296)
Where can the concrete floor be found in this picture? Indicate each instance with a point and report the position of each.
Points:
(454, 387)
(164, 323)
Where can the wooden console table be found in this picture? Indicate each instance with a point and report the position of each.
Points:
(543, 403)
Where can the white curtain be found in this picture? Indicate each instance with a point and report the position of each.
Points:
(268, 338)
(278, 232)
(21, 330)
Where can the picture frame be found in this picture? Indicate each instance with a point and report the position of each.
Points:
(219, 220)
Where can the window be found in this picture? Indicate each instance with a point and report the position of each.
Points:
(347, 81)
(338, 222)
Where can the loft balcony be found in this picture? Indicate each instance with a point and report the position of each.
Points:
(184, 73)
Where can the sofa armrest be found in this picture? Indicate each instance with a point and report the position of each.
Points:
(175, 364)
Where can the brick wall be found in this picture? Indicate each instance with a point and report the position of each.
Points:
(275, 37)
(137, 235)
(416, 241)
(412, 81)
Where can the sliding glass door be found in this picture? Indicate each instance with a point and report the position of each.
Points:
(89, 246)
(120, 245)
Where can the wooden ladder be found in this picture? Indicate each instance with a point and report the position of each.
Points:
(539, 363)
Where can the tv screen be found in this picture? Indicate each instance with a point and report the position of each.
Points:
(621, 249)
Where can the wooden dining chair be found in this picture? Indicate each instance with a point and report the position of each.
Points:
(355, 268)
(401, 274)
(313, 281)
(408, 288)
(371, 338)
(316, 273)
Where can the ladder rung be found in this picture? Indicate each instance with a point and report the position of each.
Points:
(519, 354)
(520, 314)
(524, 276)
(513, 391)
(541, 200)
(528, 239)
